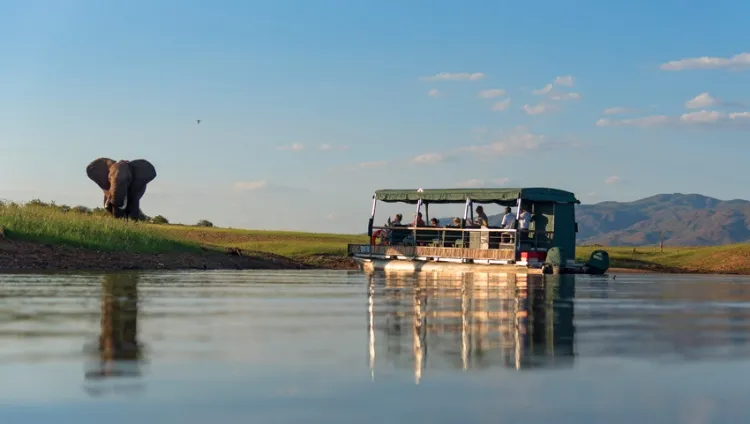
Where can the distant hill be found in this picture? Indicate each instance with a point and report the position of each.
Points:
(684, 219)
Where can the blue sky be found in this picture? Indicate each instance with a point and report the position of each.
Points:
(309, 106)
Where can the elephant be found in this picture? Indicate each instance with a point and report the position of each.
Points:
(123, 182)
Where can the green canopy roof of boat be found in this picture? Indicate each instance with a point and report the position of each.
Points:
(503, 196)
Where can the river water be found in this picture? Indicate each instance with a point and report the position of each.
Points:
(344, 347)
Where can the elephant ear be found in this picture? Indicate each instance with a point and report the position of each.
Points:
(142, 173)
(98, 172)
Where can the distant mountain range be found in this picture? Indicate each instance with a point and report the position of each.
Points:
(683, 219)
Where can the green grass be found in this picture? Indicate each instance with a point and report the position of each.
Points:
(51, 225)
(712, 259)
(297, 245)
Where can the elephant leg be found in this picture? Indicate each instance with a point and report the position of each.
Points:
(134, 203)
(117, 212)
(134, 209)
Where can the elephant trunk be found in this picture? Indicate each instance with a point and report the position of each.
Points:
(114, 199)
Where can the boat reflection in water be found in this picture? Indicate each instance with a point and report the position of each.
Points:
(470, 321)
(117, 353)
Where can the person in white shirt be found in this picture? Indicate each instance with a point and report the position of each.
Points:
(508, 219)
(523, 223)
(507, 223)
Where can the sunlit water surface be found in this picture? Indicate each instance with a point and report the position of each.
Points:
(343, 347)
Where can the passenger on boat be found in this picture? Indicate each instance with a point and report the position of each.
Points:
(508, 219)
(434, 222)
(397, 221)
(523, 223)
(482, 219)
(397, 236)
(507, 223)
(419, 222)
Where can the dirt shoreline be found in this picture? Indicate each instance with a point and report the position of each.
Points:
(20, 256)
(27, 256)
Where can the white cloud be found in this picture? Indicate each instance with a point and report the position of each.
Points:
(264, 185)
(293, 147)
(461, 76)
(538, 109)
(472, 183)
(328, 147)
(476, 182)
(739, 61)
(491, 93)
(433, 93)
(615, 110)
(701, 117)
(373, 164)
(501, 105)
(700, 101)
(250, 185)
(566, 81)
(614, 179)
(520, 140)
(428, 158)
(544, 90)
(645, 121)
(566, 96)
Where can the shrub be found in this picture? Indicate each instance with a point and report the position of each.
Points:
(82, 210)
(204, 223)
(158, 219)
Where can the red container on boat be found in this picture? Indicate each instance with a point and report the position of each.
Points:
(533, 256)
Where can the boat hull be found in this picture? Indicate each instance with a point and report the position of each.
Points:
(409, 266)
(412, 266)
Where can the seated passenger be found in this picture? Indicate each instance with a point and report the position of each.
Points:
(482, 219)
(419, 222)
(397, 221)
(508, 219)
(434, 222)
(523, 223)
(507, 223)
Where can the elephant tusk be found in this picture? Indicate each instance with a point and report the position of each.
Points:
(124, 204)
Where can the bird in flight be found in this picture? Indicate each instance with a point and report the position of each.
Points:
(198, 120)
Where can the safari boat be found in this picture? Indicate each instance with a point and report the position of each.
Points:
(546, 247)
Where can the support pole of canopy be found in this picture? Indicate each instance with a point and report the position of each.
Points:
(416, 216)
(372, 218)
(517, 244)
(463, 221)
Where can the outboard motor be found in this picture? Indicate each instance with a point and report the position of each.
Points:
(553, 263)
(598, 263)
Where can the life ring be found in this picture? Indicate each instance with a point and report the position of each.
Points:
(379, 233)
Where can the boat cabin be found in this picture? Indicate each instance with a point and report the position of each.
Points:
(551, 217)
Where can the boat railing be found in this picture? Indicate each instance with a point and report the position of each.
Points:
(468, 237)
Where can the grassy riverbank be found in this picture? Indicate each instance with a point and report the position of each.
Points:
(92, 241)
(729, 259)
